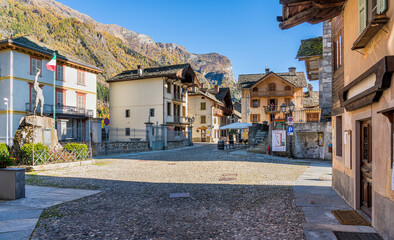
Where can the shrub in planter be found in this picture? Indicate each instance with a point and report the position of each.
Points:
(41, 154)
(80, 150)
(5, 158)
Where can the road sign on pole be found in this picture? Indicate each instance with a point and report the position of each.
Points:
(290, 120)
(106, 122)
(290, 130)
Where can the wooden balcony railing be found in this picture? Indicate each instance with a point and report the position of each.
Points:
(278, 93)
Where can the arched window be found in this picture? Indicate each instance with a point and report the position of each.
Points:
(255, 89)
(287, 88)
(272, 87)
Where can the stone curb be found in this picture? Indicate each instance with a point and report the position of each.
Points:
(53, 166)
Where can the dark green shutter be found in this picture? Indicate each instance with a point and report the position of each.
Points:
(362, 15)
(382, 6)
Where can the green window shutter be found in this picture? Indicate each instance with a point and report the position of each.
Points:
(382, 6)
(362, 15)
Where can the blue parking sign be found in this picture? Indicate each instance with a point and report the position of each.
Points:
(290, 130)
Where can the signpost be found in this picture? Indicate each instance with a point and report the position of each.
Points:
(290, 120)
(290, 130)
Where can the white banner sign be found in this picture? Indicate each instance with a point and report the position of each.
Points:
(279, 140)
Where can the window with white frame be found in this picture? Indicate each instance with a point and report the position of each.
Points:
(35, 63)
(59, 99)
(81, 101)
(81, 77)
(59, 73)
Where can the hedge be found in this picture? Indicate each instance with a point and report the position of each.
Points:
(79, 149)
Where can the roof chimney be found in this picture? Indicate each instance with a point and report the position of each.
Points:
(267, 71)
(216, 88)
(139, 70)
(292, 69)
(202, 85)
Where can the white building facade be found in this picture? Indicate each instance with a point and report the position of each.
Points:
(155, 95)
(75, 89)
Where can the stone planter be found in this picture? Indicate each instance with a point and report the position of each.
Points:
(12, 183)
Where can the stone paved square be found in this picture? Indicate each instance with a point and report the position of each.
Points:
(134, 202)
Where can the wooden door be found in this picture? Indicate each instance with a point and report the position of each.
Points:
(203, 135)
(366, 168)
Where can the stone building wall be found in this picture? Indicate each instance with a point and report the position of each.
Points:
(107, 148)
(325, 74)
(306, 141)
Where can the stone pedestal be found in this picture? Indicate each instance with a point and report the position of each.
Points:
(36, 129)
(12, 183)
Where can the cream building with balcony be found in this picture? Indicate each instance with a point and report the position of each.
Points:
(263, 94)
(75, 89)
(156, 95)
(211, 109)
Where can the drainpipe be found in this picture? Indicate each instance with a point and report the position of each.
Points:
(11, 98)
(210, 137)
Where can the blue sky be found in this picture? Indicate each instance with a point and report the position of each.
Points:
(246, 31)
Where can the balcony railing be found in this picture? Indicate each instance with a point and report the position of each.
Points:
(61, 109)
(271, 109)
(280, 93)
(178, 96)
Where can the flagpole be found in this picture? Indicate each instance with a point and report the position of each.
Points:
(54, 92)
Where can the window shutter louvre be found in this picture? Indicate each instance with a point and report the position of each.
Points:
(251, 103)
(382, 7)
(258, 103)
(362, 15)
(251, 118)
(268, 102)
(258, 118)
(276, 102)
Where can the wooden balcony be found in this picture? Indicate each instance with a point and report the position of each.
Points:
(278, 93)
(218, 112)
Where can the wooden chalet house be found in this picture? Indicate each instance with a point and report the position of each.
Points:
(263, 94)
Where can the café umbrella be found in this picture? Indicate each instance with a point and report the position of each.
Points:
(236, 126)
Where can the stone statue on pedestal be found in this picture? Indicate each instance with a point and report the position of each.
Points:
(39, 95)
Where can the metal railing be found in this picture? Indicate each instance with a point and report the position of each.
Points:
(272, 109)
(125, 135)
(61, 109)
(63, 155)
(278, 93)
(307, 115)
(176, 135)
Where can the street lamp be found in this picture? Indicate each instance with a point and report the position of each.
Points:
(5, 100)
(283, 108)
(291, 107)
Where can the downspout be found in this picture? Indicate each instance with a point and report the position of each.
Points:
(164, 103)
(11, 99)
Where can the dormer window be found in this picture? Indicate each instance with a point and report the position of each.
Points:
(287, 88)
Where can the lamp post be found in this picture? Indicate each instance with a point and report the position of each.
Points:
(191, 121)
(5, 100)
(291, 110)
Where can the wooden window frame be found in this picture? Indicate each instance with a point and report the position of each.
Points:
(169, 88)
(127, 113)
(255, 89)
(272, 87)
(257, 101)
(203, 104)
(338, 136)
(63, 76)
(183, 111)
(287, 101)
(31, 65)
(152, 112)
(84, 78)
(84, 97)
(203, 121)
(338, 50)
(63, 91)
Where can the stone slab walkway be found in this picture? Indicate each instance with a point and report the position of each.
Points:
(18, 218)
(313, 193)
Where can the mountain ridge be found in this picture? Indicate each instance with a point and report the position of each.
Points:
(108, 46)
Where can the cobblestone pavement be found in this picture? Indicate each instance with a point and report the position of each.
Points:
(225, 196)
